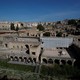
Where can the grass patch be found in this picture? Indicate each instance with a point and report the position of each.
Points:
(60, 71)
(26, 68)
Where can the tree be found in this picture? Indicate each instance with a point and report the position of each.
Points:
(72, 22)
(47, 34)
(58, 22)
(12, 27)
(40, 27)
(59, 34)
(17, 28)
(78, 24)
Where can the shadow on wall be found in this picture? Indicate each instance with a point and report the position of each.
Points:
(28, 52)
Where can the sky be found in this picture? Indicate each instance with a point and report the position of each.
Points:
(39, 10)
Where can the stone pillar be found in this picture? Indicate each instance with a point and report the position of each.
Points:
(73, 62)
(24, 60)
(41, 60)
(37, 60)
(60, 62)
(11, 59)
(19, 60)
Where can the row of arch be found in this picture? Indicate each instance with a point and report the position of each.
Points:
(57, 61)
(23, 59)
(44, 61)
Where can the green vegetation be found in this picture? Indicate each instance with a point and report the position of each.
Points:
(16, 72)
(47, 34)
(24, 72)
(72, 22)
(4, 64)
(64, 71)
(59, 34)
(17, 28)
(40, 27)
(12, 26)
(58, 22)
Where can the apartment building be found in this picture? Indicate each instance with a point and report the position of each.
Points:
(4, 26)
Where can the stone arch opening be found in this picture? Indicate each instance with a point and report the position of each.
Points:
(50, 61)
(69, 62)
(27, 49)
(63, 62)
(6, 45)
(30, 60)
(44, 60)
(27, 34)
(20, 59)
(25, 59)
(16, 58)
(34, 60)
(11, 58)
(27, 46)
(56, 61)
